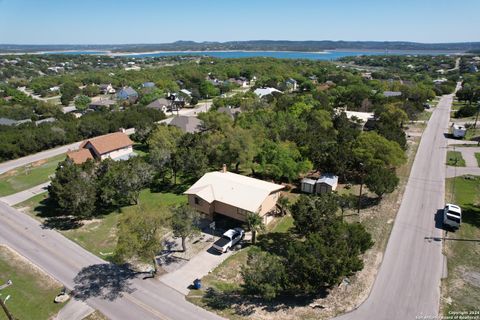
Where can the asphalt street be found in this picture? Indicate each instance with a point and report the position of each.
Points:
(118, 293)
(408, 282)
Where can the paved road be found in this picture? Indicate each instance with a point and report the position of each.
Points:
(21, 196)
(408, 282)
(117, 293)
(12, 164)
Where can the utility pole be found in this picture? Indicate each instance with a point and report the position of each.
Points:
(4, 307)
(476, 117)
(361, 187)
(2, 302)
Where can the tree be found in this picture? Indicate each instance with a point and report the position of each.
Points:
(238, 148)
(323, 259)
(121, 181)
(389, 124)
(282, 160)
(381, 180)
(82, 102)
(139, 234)
(184, 223)
(91, 90)
(372, 149)
(283, 203)
(191, 158)
(254, 224)
(312, 214)
(263, 274)
(73, 188)
(69, 90)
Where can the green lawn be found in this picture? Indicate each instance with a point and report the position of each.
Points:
(32, 292)
(457, 105)
(283, 224)
(477, 156)
(463, 256)
(473, 134)
(454, 158)
(98, 235)
(424, 116)
(140, 149)
(23, 178)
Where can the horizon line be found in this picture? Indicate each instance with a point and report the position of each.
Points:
(227, 41)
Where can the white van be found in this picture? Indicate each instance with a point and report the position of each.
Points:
(452, 216)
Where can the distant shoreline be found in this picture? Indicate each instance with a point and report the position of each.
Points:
(130, 53)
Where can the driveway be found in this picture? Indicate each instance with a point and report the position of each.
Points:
(461, 171)
(468, 154)
(471, 165)
(74, 310)
(198, 267)
(21, 196)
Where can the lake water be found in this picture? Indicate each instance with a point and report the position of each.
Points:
(327, 55)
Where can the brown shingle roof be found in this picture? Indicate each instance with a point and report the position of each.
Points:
(80, 156)
(109, 142)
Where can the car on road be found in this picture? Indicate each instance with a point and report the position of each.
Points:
(452, 216)
(228, 240)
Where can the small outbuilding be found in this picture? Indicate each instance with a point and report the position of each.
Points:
(307, 185)
(325, 184)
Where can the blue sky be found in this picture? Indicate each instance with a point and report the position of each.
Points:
(149, 21)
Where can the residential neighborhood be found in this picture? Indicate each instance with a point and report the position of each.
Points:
(145, 178)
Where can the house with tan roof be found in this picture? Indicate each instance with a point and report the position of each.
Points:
(116, 146)
(233, 195)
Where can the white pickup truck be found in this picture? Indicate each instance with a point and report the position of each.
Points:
(452, 216)
(228, 240)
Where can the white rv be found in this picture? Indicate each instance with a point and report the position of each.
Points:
(458, 131)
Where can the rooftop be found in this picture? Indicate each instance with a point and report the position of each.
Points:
(187, 124)
(80, 156)
(233, 189)
(261, 92)
(109, 142)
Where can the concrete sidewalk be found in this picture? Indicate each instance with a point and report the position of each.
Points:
(21, 196)
(74, 310)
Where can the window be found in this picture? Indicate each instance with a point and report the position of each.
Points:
(197, 201)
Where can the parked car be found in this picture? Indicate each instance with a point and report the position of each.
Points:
(228, 240)
(452, 216)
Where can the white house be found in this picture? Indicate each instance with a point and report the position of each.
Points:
(116, 146)
(107, 89)
(262, 92)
